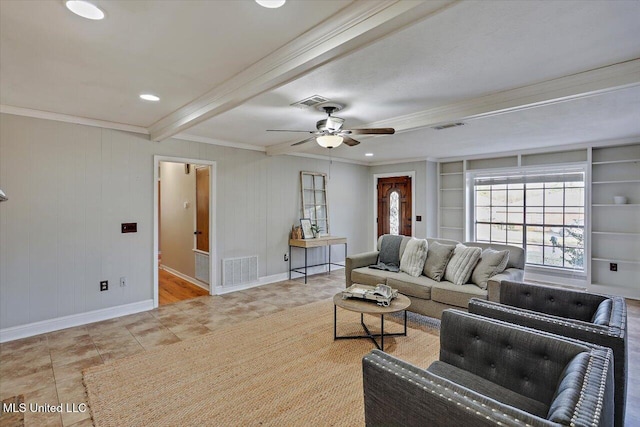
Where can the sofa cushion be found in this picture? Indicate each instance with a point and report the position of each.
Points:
(491, 262)
(417, 287)
(457, 295)
(413, 258)
(370, 276)
(438, 257)
(461, 265)
(488, 388)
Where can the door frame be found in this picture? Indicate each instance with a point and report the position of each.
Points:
(376, 176)
(213, 258)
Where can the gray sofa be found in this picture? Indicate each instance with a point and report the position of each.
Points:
(594, 318)
(492, 373)
(429, 297)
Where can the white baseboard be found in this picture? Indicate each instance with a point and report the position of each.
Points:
(42, 327)
(191, 280)
(265, 280)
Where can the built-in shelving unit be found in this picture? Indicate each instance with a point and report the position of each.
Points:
(615, 228)
(451, 214)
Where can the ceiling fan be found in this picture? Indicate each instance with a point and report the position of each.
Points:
(329, 133)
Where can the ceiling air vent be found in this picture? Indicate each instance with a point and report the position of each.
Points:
(448, 126)
(310, 102)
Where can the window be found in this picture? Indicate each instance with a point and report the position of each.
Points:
(542, 212)
(394, 213)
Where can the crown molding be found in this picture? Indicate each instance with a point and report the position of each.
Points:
(214, 141)
(358, 24)
(47, 115)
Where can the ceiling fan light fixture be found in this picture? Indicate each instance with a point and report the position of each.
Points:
(271, 4)
(85, 9)
(329, 141)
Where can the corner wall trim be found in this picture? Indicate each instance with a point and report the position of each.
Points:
(44, 326)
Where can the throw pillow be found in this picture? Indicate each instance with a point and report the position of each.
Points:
(438, 257)
(462, 262)
(415, 253)
(492, 262)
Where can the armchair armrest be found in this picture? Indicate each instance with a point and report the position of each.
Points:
(493, 284)
(359, 260)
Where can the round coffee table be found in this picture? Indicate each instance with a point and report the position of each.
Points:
(399, 303)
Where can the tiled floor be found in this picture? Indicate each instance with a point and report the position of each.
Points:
(48, 368)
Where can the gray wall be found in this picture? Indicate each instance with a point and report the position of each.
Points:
(70, 187)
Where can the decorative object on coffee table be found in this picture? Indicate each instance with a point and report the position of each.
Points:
(400, 303)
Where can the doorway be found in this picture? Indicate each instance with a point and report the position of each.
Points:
(184, 207)
(394, 205)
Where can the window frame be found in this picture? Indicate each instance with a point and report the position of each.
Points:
(560, 168)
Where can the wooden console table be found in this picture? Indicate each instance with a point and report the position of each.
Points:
(318, 242)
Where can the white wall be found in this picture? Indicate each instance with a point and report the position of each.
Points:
(177, 221)
(70, 187)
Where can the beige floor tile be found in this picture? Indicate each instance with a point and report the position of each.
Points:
(41, 397)
(72, 395)
(73, 370)
(29, 383)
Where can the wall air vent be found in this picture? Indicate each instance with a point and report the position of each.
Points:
(448, 126)
(237, 271)
(310, 102)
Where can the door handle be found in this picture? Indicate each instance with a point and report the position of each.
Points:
(197, 232)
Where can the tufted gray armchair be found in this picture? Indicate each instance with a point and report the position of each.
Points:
(492, 372)
(594, 318)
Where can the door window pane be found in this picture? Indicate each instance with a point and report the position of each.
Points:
(394, 213)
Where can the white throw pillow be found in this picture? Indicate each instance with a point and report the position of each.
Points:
(413, 258)
(492, 262)
(462, 263)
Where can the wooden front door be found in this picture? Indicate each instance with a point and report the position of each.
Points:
(394, 205)
(202, 208)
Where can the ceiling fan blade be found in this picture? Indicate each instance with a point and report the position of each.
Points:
(374, 131)
(313, 138)
(288, 130)
(349, 141)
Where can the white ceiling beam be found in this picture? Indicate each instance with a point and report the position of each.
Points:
(563, 89)
(360, 23)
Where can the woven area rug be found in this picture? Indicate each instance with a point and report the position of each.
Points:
(14, 417)
(281, 369)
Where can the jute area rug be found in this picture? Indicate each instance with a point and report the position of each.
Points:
(284, 369)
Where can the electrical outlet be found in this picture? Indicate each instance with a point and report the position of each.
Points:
(286, 257)
(104, 285)
(123, 281)
(613, 266)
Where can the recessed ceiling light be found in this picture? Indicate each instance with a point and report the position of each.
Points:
(85, 9)
(368, 154)
(149, 97)
(271, 4)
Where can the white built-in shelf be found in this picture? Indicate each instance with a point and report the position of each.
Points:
(451, 228)
(620, 261)
(615, 204)
(450, 173)
(451, 189)
(611, 162)
(626, 181)
(616, 233)
(456, 208)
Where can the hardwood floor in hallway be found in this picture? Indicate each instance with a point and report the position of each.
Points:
(172, 288)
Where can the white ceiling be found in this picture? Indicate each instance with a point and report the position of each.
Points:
(520, 74)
